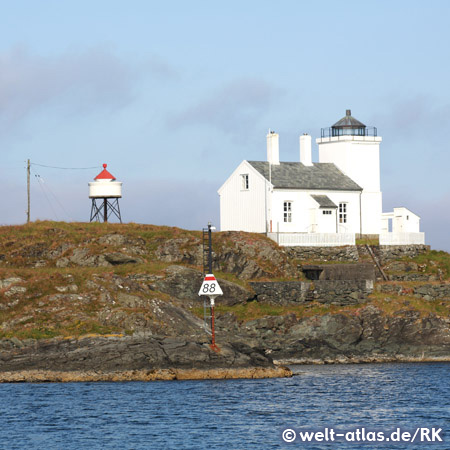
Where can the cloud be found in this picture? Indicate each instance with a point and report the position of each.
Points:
(419, 115)
(186, 204)
(69, 83)
(232, 109)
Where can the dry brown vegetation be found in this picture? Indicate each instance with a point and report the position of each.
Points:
(77, 300)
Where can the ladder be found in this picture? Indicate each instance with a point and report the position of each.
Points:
(206, 307)
(205, 242)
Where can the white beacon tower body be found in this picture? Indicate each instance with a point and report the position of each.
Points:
(105, 192)
(355, 149)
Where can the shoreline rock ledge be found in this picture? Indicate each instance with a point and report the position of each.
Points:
(130, 358)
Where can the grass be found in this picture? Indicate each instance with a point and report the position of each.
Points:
(434, 260)
(40, 315)
(256, 310)
(364, 241)
(388, 303)
(391, 303)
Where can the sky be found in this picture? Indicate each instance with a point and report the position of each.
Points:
(174, 95)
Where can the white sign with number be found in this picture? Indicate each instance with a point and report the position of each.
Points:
(210, 286)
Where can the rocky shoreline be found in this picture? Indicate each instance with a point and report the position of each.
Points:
(81, 302)
(129, 358)
(372, 359)
(51, 376)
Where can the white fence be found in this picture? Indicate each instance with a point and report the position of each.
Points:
(402, 238)
(313, 239)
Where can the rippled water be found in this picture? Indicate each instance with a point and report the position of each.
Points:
(232, 414)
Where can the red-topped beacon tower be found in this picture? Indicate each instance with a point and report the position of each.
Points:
(107, 190)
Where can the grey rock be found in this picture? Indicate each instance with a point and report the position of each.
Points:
(7, 282)
(118, 258)
(15, 290)
(184, 283)
(127, 353)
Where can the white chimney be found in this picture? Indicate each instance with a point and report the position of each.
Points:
(305, 150)
(273, 148)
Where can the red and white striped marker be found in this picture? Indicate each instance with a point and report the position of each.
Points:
(210, 287)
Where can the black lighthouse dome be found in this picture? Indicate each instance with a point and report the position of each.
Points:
(349, 126)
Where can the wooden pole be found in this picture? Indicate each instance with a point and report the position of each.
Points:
(28, 191)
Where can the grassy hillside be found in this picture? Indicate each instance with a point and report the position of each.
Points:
(72, 279)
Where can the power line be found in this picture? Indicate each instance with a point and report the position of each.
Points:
(65, 168)
(44, 186)
(40, 182)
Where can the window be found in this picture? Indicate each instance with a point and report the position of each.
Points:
(326, 212)
(244, 182)
(342, 212)
(287, 211)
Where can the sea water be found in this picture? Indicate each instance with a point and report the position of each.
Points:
(231, 414)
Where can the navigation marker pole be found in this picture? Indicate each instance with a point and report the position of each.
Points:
(210, 287)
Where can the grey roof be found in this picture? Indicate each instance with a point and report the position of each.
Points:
(324, 201)
(295, 175)
(348, 121)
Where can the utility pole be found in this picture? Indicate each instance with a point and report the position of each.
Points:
(28, 191)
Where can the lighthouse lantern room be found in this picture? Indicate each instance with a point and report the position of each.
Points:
(105, 192)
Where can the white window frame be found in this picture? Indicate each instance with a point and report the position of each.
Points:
(245, 186)
(287, 211)
(343, 212)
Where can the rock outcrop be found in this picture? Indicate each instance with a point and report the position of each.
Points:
(366, 334)
(129, 358)
(71, 280)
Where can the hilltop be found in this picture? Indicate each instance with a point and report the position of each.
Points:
(87, 282)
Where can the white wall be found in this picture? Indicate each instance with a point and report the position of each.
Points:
(371, 207)
(359, 158)
(402, 238)
(304, 221)
(313, 239)
(385, 217)
(405, 221)
(243, 210)
(326, 222)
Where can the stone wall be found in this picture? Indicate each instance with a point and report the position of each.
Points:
(335, 292)
(359, 271)
(347, 253)
(426, 291)
(385, 253)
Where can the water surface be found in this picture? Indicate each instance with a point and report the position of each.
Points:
(231, 414)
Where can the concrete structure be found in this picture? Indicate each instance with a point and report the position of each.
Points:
(309, 202)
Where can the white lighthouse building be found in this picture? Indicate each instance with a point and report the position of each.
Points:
(329, 202)
(355, 150)
(105, 192)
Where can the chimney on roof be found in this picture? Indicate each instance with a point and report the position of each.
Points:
(305, 150)
(273, 148)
